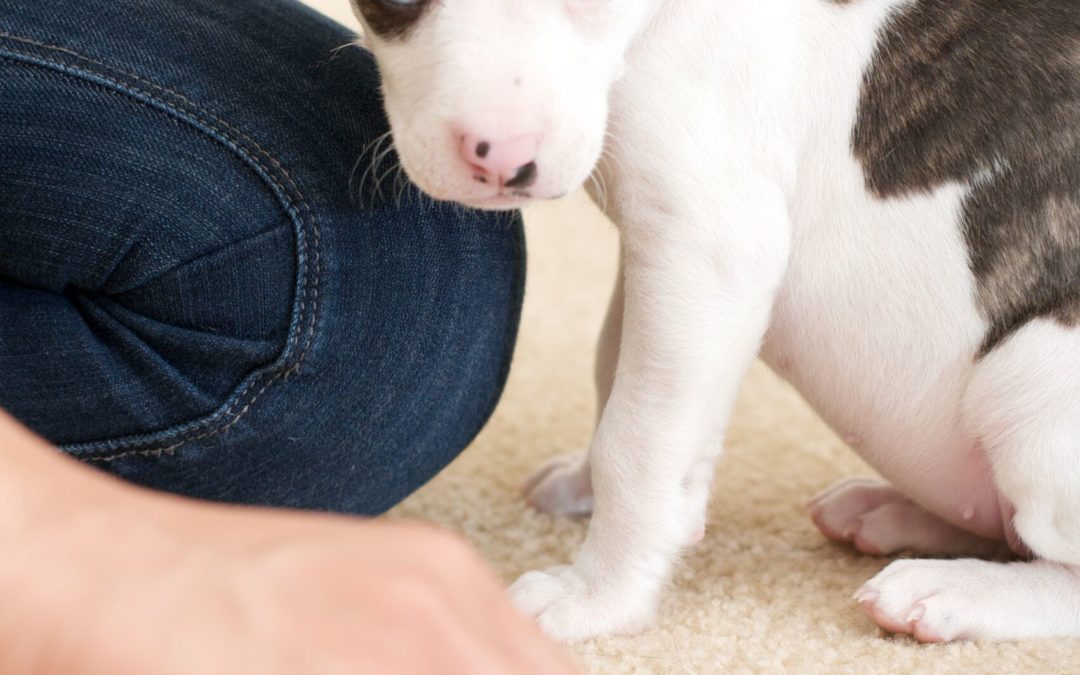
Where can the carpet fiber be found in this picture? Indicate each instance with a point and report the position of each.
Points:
(764, 592)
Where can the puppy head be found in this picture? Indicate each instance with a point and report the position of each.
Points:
(493, 103)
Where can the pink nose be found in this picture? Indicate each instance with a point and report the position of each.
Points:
(510, 163)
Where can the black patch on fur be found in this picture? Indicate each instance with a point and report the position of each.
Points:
(389, 20)
(987, 93)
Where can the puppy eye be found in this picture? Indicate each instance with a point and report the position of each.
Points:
(401, 3)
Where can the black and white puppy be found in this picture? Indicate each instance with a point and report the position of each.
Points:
(879, 197)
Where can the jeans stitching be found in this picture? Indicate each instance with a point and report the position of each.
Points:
(293, 197)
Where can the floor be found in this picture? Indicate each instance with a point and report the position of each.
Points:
(764, 592)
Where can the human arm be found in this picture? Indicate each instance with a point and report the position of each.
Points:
(100, 576)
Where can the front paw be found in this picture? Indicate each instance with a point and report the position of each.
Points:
(568, 609)
(561, 487)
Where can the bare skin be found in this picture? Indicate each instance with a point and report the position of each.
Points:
(101, 577)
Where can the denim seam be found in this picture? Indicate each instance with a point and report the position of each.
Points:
(201, 257)
(296, 206)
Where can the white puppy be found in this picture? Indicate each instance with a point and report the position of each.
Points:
(879, 197)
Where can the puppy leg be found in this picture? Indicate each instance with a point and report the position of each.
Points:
(697, 302)
(563, 485)
(877, 519)
(1024, 401)
(697, 488)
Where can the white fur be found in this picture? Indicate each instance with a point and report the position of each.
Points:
(746, 229)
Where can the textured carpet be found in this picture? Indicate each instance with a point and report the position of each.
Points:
(764, 592)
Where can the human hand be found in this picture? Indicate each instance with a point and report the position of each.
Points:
(106, 578)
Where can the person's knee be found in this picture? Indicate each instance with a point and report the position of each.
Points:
(411, 379)
(221, 346)
(218, 315)
(164, 296)
(408, 359)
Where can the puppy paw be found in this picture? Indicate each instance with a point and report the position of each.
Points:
(877, 519)
(838, 512)
(939, 600)
(567, 609)
(561, 487)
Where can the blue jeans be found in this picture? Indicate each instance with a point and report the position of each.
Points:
(199, 294)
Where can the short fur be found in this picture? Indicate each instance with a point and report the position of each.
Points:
(878, 197)
(987, 92)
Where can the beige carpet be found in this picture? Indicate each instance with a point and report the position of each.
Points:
(764, 592)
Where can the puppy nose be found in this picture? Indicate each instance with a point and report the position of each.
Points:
(510, 163)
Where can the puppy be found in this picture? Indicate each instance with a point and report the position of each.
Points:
(881, 198)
